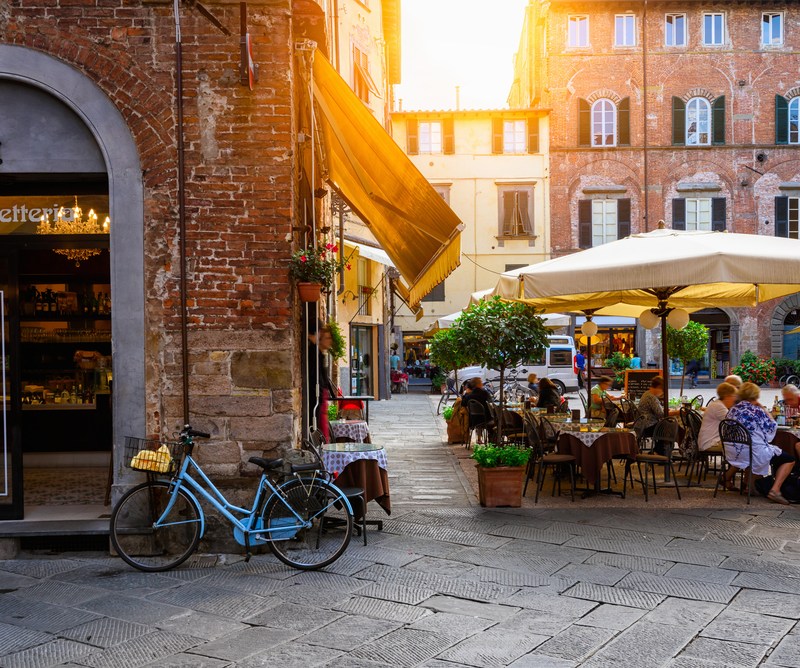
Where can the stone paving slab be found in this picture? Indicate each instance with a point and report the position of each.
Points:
(382, 609)
(397, 593)
(749, 627)
(679, 588)
(294, 617)
(576, 643)
(460, 606)
(139, 651)
(492, 648)
(292, 654)
(741, 654)
(359, 630)
(688, 614)
(767, 603)
(630, 598)
(241, 644)
(701, 574)
(786, 653)
(15, 639)
(642, 645)
(768, 582)
(105, 632)
(40, 616)
(614, 617)
(48, 654)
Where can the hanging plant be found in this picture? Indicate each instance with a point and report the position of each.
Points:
(338, 349)
(316, 264)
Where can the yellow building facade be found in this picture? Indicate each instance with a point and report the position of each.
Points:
(491, 167)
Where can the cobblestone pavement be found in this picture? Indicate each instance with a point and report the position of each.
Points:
(445, 584)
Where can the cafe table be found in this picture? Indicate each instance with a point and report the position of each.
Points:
(786, 438)
(351, 431)
(592, 448)
(360, 465)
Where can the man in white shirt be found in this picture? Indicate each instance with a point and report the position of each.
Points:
(715, 413)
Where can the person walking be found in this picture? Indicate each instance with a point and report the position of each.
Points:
(580, 364)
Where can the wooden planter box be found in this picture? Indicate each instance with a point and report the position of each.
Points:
(501, 486)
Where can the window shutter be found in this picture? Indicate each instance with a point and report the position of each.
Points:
(527, 228)
(624, 122)
(623, 218)
(584, 123)
(497, 136)
(678, 122)
(448, 136)
(412, 136)
(508, 214)
(533, 134)
(718, 214)
(781, 120)
(718, 121)
(585, 223)
(781, 216)
(679, 213)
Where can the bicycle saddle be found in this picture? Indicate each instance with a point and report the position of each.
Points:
(266, 464)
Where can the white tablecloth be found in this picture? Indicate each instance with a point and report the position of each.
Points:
(353, 430)
(335, 462)
(589, 437)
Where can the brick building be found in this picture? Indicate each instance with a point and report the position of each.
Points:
(684, 112)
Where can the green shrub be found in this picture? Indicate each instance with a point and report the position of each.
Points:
(490, 456)
(755, 369)
(447, 413)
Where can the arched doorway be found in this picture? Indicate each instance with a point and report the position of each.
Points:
(63, 138)
(791, 342)
(786, 313)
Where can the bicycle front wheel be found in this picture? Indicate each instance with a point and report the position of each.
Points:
(315, 501)
(148, 537)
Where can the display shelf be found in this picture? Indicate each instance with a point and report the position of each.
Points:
(59, 407)
(54, 317)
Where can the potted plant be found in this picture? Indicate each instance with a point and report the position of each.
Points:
(314, 268)
(686, 344)
(755, 369)
(501, 474)
(619, 363)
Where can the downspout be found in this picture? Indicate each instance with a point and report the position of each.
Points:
(336, 32)
(644, 125)
(181, 214)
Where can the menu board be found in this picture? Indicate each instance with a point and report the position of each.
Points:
(637, 382)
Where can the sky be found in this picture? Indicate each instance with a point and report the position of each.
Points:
(467, 43)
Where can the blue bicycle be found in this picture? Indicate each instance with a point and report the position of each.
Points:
(306, 521)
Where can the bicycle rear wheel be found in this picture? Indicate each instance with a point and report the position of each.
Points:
(315, 501)
(146, 546)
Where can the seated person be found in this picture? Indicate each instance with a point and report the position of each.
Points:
(734, 380)
(715, 413)
(636, 361)
(533, 382)
(548, 394)
(791, 400)
(755, 418)
(599, 391)
(651, 405)
(476, 392)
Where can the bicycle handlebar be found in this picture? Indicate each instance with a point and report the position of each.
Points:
(188, 431)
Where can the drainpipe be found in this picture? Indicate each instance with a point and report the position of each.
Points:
(644, 125)
(181, 213)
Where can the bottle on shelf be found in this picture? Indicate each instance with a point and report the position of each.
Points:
(107, 304)
(96, 304)
(38, 303)
(73, 396)
(65, 395)
(776, 407)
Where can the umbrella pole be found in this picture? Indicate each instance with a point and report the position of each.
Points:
(665, 361)
(588, 377)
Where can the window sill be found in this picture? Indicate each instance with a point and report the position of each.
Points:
(518, 237)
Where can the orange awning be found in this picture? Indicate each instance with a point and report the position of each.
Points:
(410, 220)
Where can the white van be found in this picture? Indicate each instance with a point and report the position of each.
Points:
(557, 364)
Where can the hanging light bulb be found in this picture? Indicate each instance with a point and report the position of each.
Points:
(589, 328)
(678, 318)
(648, 319)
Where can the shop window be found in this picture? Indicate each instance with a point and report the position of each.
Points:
(675, 30)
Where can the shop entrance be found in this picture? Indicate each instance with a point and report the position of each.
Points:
(717, 360)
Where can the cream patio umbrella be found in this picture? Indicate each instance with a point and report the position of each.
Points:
(665, 272)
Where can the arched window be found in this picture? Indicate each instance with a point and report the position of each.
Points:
(604, 123)
(794, 120)
(698, 122)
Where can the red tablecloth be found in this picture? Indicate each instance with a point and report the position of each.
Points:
(592, 458)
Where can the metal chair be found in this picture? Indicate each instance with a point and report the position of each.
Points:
(697, 401)
(478, 421)
(665, 436)
(513, 427)
(630, 411)
(544, 460)
(735, 435)
(712, 399)
(313, 445)
(585, 403)
(548, 434)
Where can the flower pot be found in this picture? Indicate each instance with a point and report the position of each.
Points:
(309, 292)
(501, 486)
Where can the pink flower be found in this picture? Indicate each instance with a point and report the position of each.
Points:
(330, 247)
(348, 266)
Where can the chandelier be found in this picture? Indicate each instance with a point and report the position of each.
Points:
(70, 221)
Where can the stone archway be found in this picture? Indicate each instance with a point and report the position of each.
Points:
(776, 328)
(126, 208)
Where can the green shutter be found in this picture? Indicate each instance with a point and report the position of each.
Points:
(584, 123)
(624, 122)
(585, 223)
(718, 121)
(781, 216)
(678, 122)
(718, 214)
(412, 136)
(679, 213)
(781, 120)
(623, 218)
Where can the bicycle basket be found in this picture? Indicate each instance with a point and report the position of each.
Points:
(152, 456)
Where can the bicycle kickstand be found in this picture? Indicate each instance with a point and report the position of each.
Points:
(247, 554)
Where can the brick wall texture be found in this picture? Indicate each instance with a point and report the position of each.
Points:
(745, 73)
(240, 202)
